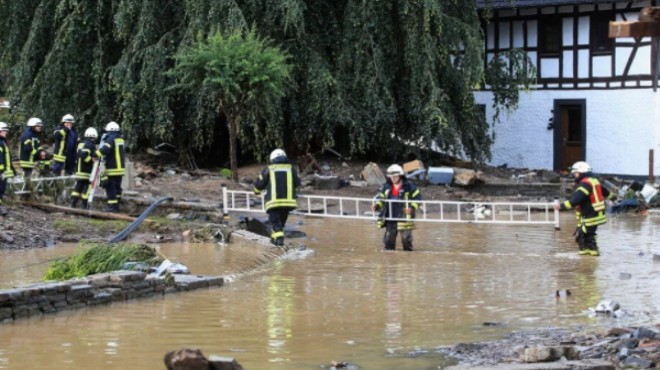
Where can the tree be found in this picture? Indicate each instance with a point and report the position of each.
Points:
(244, 73)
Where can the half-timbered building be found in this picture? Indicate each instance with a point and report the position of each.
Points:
(594, 97)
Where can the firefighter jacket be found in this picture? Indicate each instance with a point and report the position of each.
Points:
(280, 181)
(85, 162)
(6, 169)
(28, 147)
(63, 136)
(408, 192)
(588, 199)
(112, 148)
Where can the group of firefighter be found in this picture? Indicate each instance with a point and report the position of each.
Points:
(279, 181)
(71, 156)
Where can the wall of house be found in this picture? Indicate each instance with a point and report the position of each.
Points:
(621, 127)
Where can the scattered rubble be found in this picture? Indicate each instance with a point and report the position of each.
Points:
(614, 348)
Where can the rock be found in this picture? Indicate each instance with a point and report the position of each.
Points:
(186, 359)
(372, 174)
(465, 177)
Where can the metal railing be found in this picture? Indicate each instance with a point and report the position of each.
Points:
(18, 185)
(528, 213)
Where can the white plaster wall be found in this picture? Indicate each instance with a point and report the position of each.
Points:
(622, 125)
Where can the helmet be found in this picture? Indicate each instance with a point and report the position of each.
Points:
(276, 154)
(68, 118)
(34, 122)
(91, 132)
(112, 126)
(4, 126)
(581, 167)
(394, 170)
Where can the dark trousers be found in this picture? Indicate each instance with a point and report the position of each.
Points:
(113, 189)
(27, 172)
(391, 233)
(277, 218)
(3, 188)
(80, 189)
(57, 168)
(70, 164)
(585, 237)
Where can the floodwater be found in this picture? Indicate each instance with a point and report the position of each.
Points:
(349, 300)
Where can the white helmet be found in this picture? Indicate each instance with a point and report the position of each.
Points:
(4, 126)
(34, 122)
(394, 170)
(112, 126)
(581, 167)
(91, 132)
(276, 154)
(68, 118)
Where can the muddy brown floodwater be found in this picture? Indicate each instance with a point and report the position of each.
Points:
(347, 300)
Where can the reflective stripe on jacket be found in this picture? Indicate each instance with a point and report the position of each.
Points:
(408, 192)
(28, 147)
(113, 151)
(60, 145)
(85, 161)
(280, 181)
(5, 160)
(589, 200)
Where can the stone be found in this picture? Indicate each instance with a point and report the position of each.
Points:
(186, 359)
(372, 174)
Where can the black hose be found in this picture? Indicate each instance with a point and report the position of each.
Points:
(133, 225)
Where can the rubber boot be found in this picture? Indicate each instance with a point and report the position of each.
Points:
(84, 204)
(592, 246)
(74, 202)
(279, 241)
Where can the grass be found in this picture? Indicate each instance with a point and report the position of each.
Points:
(78, 225)
(96, 258)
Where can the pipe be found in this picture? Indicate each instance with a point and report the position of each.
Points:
(133, 225)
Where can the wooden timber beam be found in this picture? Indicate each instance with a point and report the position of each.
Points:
(634, 29)
(648, 25)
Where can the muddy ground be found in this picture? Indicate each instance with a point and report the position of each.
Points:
(27, 227)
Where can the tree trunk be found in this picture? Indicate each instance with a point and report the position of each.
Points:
(233, 122)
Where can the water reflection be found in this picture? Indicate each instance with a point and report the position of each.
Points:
(279, 309)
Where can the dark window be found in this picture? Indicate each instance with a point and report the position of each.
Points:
(574, 125)
(600, 41)
(550, 36)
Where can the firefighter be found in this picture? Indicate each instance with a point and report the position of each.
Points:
(112, 149)
(588, 199)
(279, 180)
(29, 147)
(6, 168)
(64, 156)
(85, 162)
(397, 187)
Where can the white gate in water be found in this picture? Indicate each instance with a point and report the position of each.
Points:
(526, 213)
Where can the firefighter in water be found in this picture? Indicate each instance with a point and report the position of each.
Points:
(399, 188)
(6, 169)
(112, 148)
(29, 147)
(64, 154)
(588, 199)
(85, 162)
(279, 180)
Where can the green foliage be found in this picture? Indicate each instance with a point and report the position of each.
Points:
(76, 225)
(244, 74)
(368, 75)
(225, 172)
(508, 73)
(98, 258)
